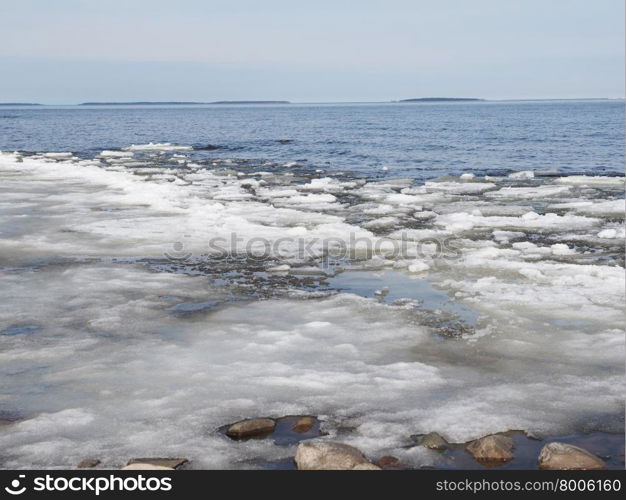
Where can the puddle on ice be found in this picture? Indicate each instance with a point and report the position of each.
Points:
(391, 286)
(20, 330)
(287, 432)
(193, 307)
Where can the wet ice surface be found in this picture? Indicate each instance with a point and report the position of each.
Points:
(126, 333)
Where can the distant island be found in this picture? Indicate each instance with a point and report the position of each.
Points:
(137, 103)
(19, 104)
(176, 103)
(250, 102)
(442, 99)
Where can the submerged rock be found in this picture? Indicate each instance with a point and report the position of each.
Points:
(327, 455)
(303, 425)
(433, 441)
(492, 449)
(561, 456)
(170, 463)
(89, 463)
(252, 428)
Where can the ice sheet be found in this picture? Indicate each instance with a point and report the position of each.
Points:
(109, 350)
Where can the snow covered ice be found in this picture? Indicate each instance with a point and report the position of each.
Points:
(125, 334)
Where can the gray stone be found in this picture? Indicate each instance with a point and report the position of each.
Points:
(327, 455)
(253, 428)
(561, 456)
(492, 449)
(433, 441)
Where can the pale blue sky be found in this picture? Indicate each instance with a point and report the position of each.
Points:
(67, 51)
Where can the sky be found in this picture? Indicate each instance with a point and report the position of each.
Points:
(70, 51)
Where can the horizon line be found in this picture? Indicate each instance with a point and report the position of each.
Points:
(419, 100)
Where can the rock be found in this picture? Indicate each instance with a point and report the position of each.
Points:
(142, 466)
(433, 441)
(303, 425)
(327, 455)
(253, 428)
(170, 463)
(496, 449)
(388, 462)
(89, 463)
(561, 456)
(367, 466)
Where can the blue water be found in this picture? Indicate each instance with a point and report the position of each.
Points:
(422, 141)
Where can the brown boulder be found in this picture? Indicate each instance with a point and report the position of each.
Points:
(303, 425)
(389, 462)
(142, 466)
(561, 456)
(492, 449)
(253, 428)
(327, 455)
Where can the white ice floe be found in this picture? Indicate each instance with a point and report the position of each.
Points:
(376, 209)
(61, 155)
(527, 193)
(329, 185)
(585, 180)
(279, 269)
(561, 249)
(418, 267)
(425, 215)
(507, 236)
(134, 216)
(162, 146)
(612, 234)
(525, 175)
(382, 223)
(460, 187)
(607, 208)
(459, 222)
(116, 154)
